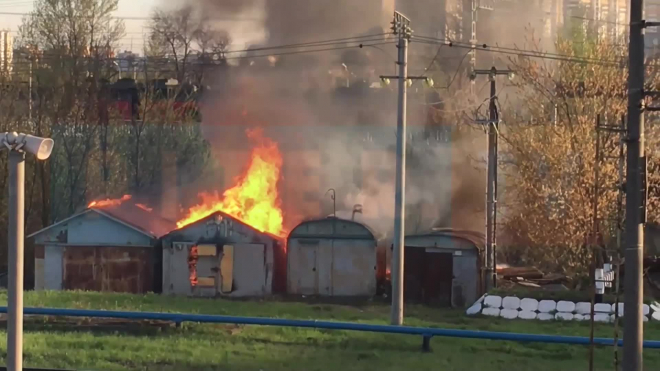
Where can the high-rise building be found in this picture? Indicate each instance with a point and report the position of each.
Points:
(6, 52)
(652, 37)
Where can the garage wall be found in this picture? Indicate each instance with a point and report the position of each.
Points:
(328, 267)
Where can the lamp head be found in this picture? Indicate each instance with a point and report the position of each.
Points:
(40, 147)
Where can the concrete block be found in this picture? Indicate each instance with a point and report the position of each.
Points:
(492, 312)
(603, 308)
(580, 317)
(474, 309)
(509, 313)
(563, 316)
(511, 302)
(527, 314)
(547, 306)
(531, 305)
(566, 306)
(655, 306)
(583, 308)
(620, 309)
(546, 316)
(601, 317)
(613, 318)
(493, 301)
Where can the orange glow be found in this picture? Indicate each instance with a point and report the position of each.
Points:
(109, 202)
(254, 199)
(144, 207)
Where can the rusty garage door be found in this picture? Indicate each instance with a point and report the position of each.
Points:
(116, 269)
(428, 276)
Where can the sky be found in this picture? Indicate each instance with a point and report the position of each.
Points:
(137, 13)
(135, 28)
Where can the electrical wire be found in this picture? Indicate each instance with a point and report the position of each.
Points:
(520, 52)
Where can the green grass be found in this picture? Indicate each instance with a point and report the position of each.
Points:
(77, 344)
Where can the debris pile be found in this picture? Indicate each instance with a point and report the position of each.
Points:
(531, 277)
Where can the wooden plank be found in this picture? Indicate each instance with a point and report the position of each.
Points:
(227, 268)
(206, 281)
(206, 250)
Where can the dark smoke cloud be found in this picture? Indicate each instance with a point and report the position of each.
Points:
(320, 109)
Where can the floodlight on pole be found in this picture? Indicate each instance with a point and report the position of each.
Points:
(41, 148)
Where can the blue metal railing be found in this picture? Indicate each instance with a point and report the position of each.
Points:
(425, 332)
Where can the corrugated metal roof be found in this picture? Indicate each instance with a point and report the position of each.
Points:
(139, 218)
(128, 214)
(296, 232)
(478, 239)
(225, 215)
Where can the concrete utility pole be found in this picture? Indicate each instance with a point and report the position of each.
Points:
(41, 148)
(401, 28)
(635, 194)
(491, 206)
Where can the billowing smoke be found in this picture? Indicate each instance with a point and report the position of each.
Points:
(333, 122)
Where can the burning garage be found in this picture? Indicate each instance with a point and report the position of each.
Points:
(443, 267)
(219, 255)
(331, 257)
(110, 246)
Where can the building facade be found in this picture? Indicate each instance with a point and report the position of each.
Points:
(6, 53)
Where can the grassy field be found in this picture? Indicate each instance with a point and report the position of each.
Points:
(83, 345)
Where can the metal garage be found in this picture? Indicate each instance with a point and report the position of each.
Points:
(442, 267)
(222, 256)
(331, 257)
(101, 249)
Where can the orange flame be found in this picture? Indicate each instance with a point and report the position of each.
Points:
(144, 207)
(254, 199)
(109, 202)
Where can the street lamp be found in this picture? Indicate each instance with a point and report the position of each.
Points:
(18, 144)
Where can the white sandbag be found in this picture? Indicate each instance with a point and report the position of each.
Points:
(527, 314)
(580, 317)
(547, 306)
(509, 313)
(583, 307)
(481, 299)
(603, 308)
(545, 316)
(656, 315)
(646, 309)
(475, 309)
(493, 301)
(646, 319)
(493, 312)
(511, 302)
(566, 306)
(530, 305)
(563, 316)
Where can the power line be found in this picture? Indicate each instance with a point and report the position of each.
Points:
(126, 18)
(521, 52)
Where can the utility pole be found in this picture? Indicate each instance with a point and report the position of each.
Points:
(401, 28)
(18, 144)
(635, 194)
(491, 198)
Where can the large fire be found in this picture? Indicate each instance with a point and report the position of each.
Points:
(254, 199)
(109, 202)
